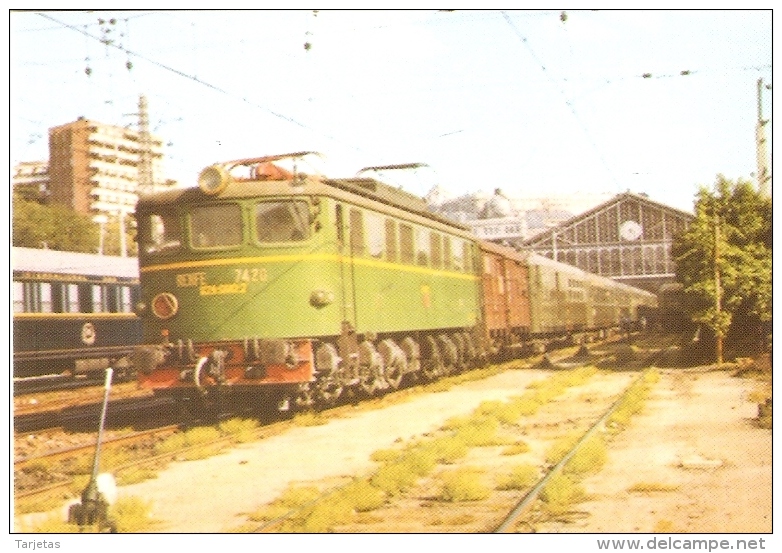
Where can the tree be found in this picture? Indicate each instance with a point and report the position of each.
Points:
(723, 259)
(52, 226)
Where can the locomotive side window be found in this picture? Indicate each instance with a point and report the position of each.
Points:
(458, 255)
(285, 221)
(356, 232)
(406, 250)
(423, 247)
(436, 245)
(390, 240)
(376, 234)
(216, 226)
(339, 221)
(160, 231)
(447, 261)
(469, 258)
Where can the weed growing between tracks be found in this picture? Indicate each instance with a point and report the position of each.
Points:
(128, 514)
(564, 488)
(402, 468)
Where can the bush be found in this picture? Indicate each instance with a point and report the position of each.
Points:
(560, 492)
(590, 456)
(520, 478)
(463, 485)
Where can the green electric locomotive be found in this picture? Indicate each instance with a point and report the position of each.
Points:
(283, 288)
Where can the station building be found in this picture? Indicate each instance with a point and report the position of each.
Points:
(627, 238)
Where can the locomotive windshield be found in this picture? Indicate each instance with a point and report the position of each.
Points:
(159, 232)
(286, 221)
(216, 225)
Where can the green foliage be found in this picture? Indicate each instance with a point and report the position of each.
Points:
(463, 484)
(131, 514)
(520, 478)
(590, 456)
(59, 228)
(733, 221)
(560, 492)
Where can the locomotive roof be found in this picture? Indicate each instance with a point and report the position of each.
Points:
(346, 189)
(72, 263)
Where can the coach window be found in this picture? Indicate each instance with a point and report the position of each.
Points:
(356, 232)
(60, 298)
(112, 299)
(98, 305)
(162, 231)
(18, 297)
(376, 235)
(286, 221)
(36, 297)
(406, 249)
(390, 240)
(215, 226)
(70, 298)
(126, 299)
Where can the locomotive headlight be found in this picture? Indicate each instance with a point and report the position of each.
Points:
(213, 180)
(165, 305)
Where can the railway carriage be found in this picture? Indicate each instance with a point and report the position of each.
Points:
(72, 312)
(289, 287)
(530, 300)
(284, 289)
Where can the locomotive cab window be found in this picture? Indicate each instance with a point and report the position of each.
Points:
(216, 226)
(160, 232)
(286, 221)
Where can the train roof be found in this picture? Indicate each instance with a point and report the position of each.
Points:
(72, 263)
(343, 189)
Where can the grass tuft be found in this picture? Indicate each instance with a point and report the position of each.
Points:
(647, 487)
(131, 514)
(560, 492)
(521, 477)
(463, 484)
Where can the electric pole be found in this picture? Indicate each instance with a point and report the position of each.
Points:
(145, 154)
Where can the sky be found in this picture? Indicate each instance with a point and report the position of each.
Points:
(537, 103)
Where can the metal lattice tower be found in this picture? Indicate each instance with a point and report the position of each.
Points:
(145, 182)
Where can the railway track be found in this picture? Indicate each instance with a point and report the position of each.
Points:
(565, 360)
(508, 524)
(296, 519)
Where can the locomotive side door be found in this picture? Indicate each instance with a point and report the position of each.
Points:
(346, 245)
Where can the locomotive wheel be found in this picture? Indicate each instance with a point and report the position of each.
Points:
(449, 354)
(305, 397)
(413, 358)
(394, 361)
(370, 369)
(328, 387)
(431, 362)
(328, 390)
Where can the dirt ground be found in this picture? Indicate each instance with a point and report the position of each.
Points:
(695, 442)
(698, 459)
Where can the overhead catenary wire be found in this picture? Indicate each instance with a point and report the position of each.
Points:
(111, 44)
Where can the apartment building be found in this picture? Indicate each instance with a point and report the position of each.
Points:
(99, 168)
